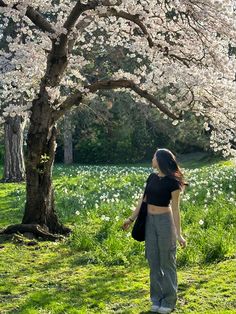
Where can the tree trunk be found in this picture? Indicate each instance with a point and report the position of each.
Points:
(40, 217)
(41, 141)
(68, 145)
(14, 166)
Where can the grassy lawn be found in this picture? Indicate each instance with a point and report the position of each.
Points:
(47, 279)
(100, 269)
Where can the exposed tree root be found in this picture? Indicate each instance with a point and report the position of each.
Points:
(36, 230)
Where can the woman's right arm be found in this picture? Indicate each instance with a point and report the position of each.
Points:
(134, 215)
(136, 211)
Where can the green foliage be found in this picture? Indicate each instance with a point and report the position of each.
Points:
(115, 129)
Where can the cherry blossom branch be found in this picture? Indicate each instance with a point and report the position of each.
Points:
(58, 57)
(113, 84)
(80, 8)
(131, 17)
(185, 61)
(35, 17)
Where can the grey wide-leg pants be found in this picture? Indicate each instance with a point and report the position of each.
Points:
(160, 251)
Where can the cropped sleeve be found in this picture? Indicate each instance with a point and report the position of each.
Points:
(149, 177)
(147, 181)
(175, 185)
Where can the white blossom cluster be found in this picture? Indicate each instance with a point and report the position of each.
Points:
(180, 44)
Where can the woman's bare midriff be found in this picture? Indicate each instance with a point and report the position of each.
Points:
(153, 209)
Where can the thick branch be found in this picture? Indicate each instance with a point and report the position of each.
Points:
(35, 18)
(74, 15)
(79, 8)
(76, 98)
(113, 84)
(58, 57)
(80, 26)
(70, 101)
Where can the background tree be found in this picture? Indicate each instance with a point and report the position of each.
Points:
(185, 43)
(68, 139)
(14, 123)
(14, 165)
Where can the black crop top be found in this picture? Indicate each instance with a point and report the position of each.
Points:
(158, 189)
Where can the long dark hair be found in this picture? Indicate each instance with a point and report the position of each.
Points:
(169, 166)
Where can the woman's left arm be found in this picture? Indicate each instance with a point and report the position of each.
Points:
(175, 196)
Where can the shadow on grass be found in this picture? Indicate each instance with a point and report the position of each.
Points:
(10, 212)
(61, 286)
(50, 281)
(5, 238)
(66, 287)
(97, 292)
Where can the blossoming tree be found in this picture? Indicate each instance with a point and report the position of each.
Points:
(180, 45)
(14, 167)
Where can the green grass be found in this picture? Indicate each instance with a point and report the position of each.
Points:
(47, 279)
(100, 268)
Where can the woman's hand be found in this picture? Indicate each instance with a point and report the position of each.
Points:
(181, 241)
(126, 224)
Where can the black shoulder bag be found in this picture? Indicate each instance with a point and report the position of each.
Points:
(138, 231)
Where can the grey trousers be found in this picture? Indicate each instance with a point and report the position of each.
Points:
(160, 251)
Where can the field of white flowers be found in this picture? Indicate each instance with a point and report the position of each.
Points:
(95, 200)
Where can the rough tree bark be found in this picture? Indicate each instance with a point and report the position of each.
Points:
(68, 145)
(41, 143)
(14, 165)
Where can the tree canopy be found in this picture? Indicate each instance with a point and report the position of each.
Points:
(179, 44)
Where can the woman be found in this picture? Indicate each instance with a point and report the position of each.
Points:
(163, 228)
